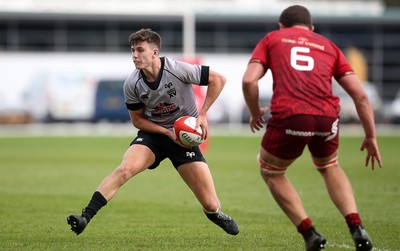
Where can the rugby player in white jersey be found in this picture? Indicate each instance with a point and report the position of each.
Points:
(158, 92)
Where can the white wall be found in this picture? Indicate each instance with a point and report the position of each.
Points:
(19, 71)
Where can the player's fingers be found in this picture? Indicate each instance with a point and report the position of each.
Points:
(260, 122)
(366, 160)
(379, 163)
(373, 163)
(172, 135)
(378, 159)
(198, 124)
(205, 132)
(254, 127)
(201, 123)
(258, 125)
(182, 145)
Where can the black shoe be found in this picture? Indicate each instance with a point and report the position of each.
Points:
(78, 223)
(224, 221)
(314, 241)
(361, 238)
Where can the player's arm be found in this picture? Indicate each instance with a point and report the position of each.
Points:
(354, 88)
(140, 122)
(254, 72)
(216, 83)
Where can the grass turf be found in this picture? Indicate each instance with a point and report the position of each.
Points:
(43, 179)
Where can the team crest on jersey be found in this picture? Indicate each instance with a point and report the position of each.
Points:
(163, 109)
(172, 91)
(144, 96)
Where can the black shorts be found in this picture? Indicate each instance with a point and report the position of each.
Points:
(163, 147)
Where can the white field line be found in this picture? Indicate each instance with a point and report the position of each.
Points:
(344, 246)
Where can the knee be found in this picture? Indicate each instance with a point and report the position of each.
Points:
(125, 171)
(271, 178)
(268, 169)
(323, 165)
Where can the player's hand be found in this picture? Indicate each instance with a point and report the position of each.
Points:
(257, 122)
(172, 136)
(373, 154)
(203, 123)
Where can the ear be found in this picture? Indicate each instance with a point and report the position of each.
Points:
(155, 51)
(281, 26)
(312, 27)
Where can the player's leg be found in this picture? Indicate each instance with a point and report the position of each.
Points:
(273, 172)
(135, 160)
(198, 177)
(341, 194)
(283, 142)
(337, 183)
(324, 151)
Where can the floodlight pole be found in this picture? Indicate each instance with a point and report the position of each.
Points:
(189, 30)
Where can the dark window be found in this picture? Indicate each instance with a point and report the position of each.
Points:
(86, 36)
(36, 36)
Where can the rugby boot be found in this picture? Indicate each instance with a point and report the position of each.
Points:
(361, 238)
(314, 241)
(224, 221)
(78, 223)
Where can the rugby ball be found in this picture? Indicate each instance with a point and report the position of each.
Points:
(185, 132)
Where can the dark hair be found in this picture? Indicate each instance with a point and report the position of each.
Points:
(296, 15)
(145, 35)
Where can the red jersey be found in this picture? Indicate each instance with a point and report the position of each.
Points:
(302, 64)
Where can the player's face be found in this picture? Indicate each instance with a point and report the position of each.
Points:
(143, 54)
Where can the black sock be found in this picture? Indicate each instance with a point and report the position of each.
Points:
(95, 204)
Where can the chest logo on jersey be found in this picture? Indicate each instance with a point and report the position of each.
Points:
(171, 90)
(163, 109)
(144, 96)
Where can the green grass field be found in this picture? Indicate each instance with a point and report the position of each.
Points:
(43, 179)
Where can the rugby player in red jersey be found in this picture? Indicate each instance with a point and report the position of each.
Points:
(306, 113)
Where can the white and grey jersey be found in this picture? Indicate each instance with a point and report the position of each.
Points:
(170, 96)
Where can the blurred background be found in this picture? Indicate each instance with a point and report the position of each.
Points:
(66, 61)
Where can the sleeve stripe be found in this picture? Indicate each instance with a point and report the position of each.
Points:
(135, 106)
(205, 71)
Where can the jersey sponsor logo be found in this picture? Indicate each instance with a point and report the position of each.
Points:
(190, 154)
(163, 109)
(334, 130)
(329, 135)
(306, 133)
(144, 96)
